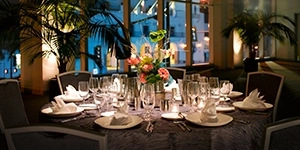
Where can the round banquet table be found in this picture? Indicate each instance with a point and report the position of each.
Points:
(167, 135)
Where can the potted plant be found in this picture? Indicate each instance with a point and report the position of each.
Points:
(252, 25)
(61, 26)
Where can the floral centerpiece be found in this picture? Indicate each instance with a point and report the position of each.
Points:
(150, 66)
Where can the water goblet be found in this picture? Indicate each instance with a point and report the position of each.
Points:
(94, 87)
(214, 89)
(203, 94)
(83, 89)
(193, 91)
(147, 95)
(225, 88)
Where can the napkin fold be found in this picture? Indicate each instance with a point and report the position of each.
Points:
(121, 117)
(169, 87)
(225, 88)
(61, 107)
(254, 100)
(209, 112)
(72, 93)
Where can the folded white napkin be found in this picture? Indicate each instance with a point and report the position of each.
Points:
(253, 100)
(171, 86)
(225, 88)
(121, 117)
(71, 93)
(209, 112)
(61, 107)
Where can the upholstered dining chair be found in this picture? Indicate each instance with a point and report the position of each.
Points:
(177, 73)
(12, 107)
(54, 136)
(269, 84)
(72, 78)
(282, 134)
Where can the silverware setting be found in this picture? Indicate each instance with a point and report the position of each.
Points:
(181, 124)
(78, 117)
(241, 121)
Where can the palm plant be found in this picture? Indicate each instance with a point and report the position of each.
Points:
(61, 26)
(252, 25)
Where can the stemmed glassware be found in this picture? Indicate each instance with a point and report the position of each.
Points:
(148, 99)
(225, 88)
(115, 86)
(83, 89)
(214, 89)
(94, 87)
(203, 94)
(193, 91)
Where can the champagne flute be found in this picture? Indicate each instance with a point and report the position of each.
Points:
(148, 99)
(83, 89)
(193, 91)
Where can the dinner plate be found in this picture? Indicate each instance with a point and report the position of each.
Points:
(71, 99)
(171, 115)
(234, 94)
(222, 120)
(88, 106)
(108, 113)
(225, 108)
(48, 111)
(105, 123)
(240, 106)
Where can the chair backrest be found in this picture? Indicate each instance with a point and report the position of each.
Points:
(72, 78)
(12, 107)
(283, 134)
(3, 144)
(177, 73)
(268, 84)
(54, 136)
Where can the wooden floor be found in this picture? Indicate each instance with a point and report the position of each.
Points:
(290, 93)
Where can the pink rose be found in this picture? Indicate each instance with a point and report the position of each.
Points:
(143, 78)
(133, 60)
(147, 67)
(163, 73)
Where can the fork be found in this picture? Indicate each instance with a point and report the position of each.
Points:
(180, 125)
(182, 122)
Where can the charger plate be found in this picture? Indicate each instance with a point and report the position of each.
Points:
(240, 106)
(222, 120)
(105, 123)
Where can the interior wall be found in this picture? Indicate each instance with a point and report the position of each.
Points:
(288, 8)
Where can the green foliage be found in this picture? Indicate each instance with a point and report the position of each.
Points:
(252, 25)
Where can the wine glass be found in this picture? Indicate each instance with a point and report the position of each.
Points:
(94, 87)
(214, 89)
(193, 91)
(121, 91)
(203, 94)
(115, 86)
(225, 88)
(83, 89)
(148, 99)
(203, 79)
